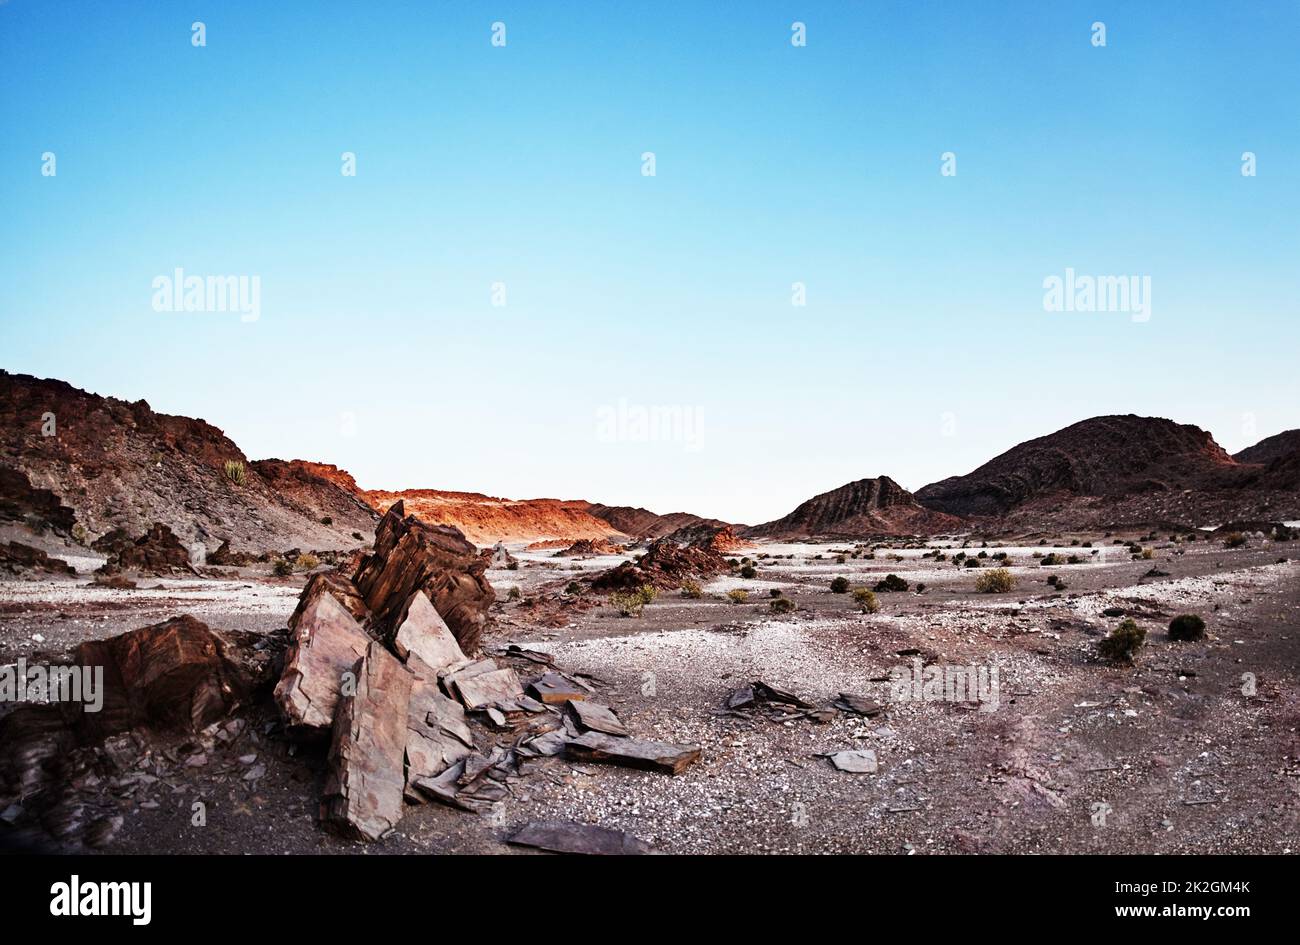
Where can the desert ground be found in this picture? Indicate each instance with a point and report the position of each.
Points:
(1181, 752)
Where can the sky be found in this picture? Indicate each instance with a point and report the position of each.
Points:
(517, 173)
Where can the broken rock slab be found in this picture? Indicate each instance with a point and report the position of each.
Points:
(858, 705)
(421, 631)
(855, 762)
(437, 734)
(482, 684)
(325, 642)
(556, 689)
(366, 779)
(632, 752)
(563, 836)
(593, 717)
(340, 588)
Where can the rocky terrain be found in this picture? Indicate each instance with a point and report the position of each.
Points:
(859, 509)
(114, 464)
(641, 523)
(486, 519)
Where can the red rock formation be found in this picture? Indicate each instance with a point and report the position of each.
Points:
(861, 509)
(665, 564)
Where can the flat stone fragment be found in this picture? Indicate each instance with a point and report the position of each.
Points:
(632, 753)
(325, 642)
(855, 762)
(562, 836)
(554, 689)
(437, 734)
(860, 705)
(484, 689)
(597, 718)
(423, 632)
(366, 779)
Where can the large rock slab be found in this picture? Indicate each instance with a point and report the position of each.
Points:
(563, 836)
(409, 556)
(478, 690)
(632, 752)
(339, 587)
(425, 634)
(366, 779)
(324, 643)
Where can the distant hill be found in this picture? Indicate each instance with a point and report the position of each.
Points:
(861, 509)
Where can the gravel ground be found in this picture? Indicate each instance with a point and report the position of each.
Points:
(1167, 756)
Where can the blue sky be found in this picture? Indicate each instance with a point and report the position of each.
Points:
(923, 350)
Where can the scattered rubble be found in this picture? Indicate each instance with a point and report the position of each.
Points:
(665, 564)
(157, 551)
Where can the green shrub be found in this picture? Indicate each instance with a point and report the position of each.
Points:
(1051, 559)
(748, 571)
(782, 605)
(692, 589)
(514, 594)
(1122, 643)
(840, 585)
(573, 587)
(1234, 540)
(282, 568)
(738, 595)
(1187, 627)
(972, 563)
(306, 562)
(866, 600)
(628, 604)
(647, 593)
(997, 581)
(235, 472)
(1147, 554)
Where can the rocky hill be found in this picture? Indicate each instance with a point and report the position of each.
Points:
(111, 464)
(1115, 470)
(486, 519)
(642, 523)
(1269, 450)
(861, 509)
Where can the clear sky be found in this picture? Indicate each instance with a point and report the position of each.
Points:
(923, 350)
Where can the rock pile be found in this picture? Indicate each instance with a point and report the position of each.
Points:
(157, 551)
(665, 564)
(17, 558)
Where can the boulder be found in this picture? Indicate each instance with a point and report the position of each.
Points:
(340, 588)
(411, 556)
(324, 643)
(157, 551)
(366, 775)
(178, 674)
(17, 557)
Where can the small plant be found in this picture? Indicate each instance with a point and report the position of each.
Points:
(573, 587)
(1187, 627)
(997, 581)
(840, 585)
(1234, 540)
(327, 520)
(1051, 559)
(866, 600)
(627, 603)
(749, 571)
(774, 592)
(647, 593)
(890, 582)
(738, 595)
(514, 594)
(972, 563)
(306, 562)
(692, 589)
(282, 567)
(1147, 554)
(1122, 643)
(234, 471)
(79, 533)
(781, 605)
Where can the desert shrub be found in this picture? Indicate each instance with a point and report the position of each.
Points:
(891, 582)
(512, 566)
(628, 604)
(749, 571)
(514, 594)
(840, 585)
(327, 520)
(972, 563)
(1147, 554)
(920, 587)
(357, 536)
(774, 592)
(692, 589)
(839, 559)
(866, 600)
(1187, 627)
(1123, 642)
(997, 581)
(234, 471)
(781, 605)
(1234, 540)
(573, 587)
(1051, 559)
(647, 593)
(1053, 579)
(282, 567)
(306, 562)
(79, 533)
(738, 595)
(983, 554)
